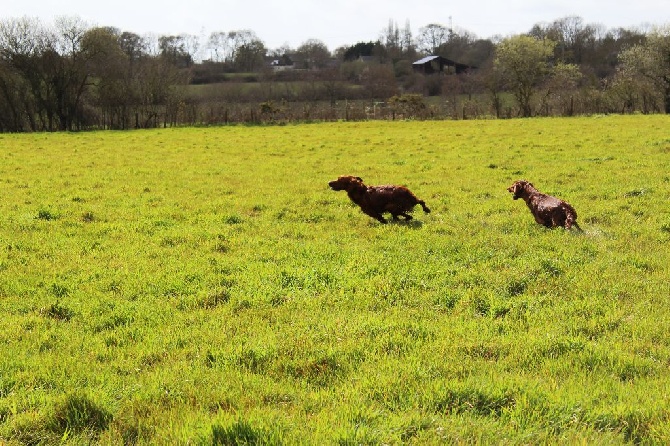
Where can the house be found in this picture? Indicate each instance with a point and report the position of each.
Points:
(282, 63)
(437, 64)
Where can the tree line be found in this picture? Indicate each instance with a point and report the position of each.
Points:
(69, 76)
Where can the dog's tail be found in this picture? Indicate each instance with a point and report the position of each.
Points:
(423, 205)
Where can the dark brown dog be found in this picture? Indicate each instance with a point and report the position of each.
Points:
(375, 200)
(547, 210)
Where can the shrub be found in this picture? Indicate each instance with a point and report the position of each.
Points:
(46, 214)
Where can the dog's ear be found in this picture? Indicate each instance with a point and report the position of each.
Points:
(359, 179)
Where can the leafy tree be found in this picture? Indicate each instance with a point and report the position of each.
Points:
(361, 49)
(249, 55)
(651, 61)
(523, 63)
(560, 88)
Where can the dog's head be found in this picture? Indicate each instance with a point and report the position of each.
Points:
(345, 182)
(519, 188)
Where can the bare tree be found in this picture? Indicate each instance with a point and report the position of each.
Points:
(175, 50)
(52, 63)
(314, 53)
(390, 38)
(407, 40)
(431, 37)
(112, 69)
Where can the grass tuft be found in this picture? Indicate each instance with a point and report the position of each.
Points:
(78, 413)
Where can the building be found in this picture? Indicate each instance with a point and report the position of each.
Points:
(439, 64)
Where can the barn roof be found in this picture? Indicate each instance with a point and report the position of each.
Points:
(443, 61)
(425, 59)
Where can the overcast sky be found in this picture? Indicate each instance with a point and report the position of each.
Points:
(337, 22)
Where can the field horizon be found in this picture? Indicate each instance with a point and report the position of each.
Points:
(205, 286)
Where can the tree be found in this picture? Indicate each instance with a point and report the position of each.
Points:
(407, 41)
(68, 70)
(225, 47)
(16, 46)
(651, 61)
(177, 49)
(112, 68)
(464, 47)
(133, 46)
(379, 81)
(218, 47)
(560, 88)
(361, 49)
(314, 53)
(523, 63)
(431, 37)
(52, 64)
(390, 38)
(249, 56)
(397, 43)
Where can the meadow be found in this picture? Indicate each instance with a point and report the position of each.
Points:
(205, 286)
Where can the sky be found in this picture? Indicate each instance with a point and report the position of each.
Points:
(337, 23)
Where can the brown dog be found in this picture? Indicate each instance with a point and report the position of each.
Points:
(375, 200)
(547, 210)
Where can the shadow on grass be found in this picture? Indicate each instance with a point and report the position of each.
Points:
(412, 224)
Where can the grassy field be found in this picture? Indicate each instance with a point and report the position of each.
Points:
(204, 286)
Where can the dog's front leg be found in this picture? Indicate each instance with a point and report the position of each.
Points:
(376, 215)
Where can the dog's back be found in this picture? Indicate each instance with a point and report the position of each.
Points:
(375, 200)
(546, 209)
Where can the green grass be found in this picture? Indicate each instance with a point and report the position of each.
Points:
(205, 286)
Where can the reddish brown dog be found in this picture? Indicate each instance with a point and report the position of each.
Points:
(547, 210)
(375, 200)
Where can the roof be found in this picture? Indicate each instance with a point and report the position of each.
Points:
(443, 61)
(425, 60)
